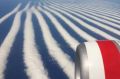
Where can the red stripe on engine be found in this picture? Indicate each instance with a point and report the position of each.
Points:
(111, 59)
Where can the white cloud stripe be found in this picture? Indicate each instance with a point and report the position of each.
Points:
(26, 7)
(7, 43)
(103, 15)
(96, 17)
(62, 59)
(99, 24)
(13, 12)
(95, 61)
(102, 33)
(32, 59)
(68, 38)
(104, 8)
(9, 40)
(97, 7)
(10, 13)
(73, 26)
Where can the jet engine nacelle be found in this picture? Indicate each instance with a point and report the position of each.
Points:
(98, 60)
